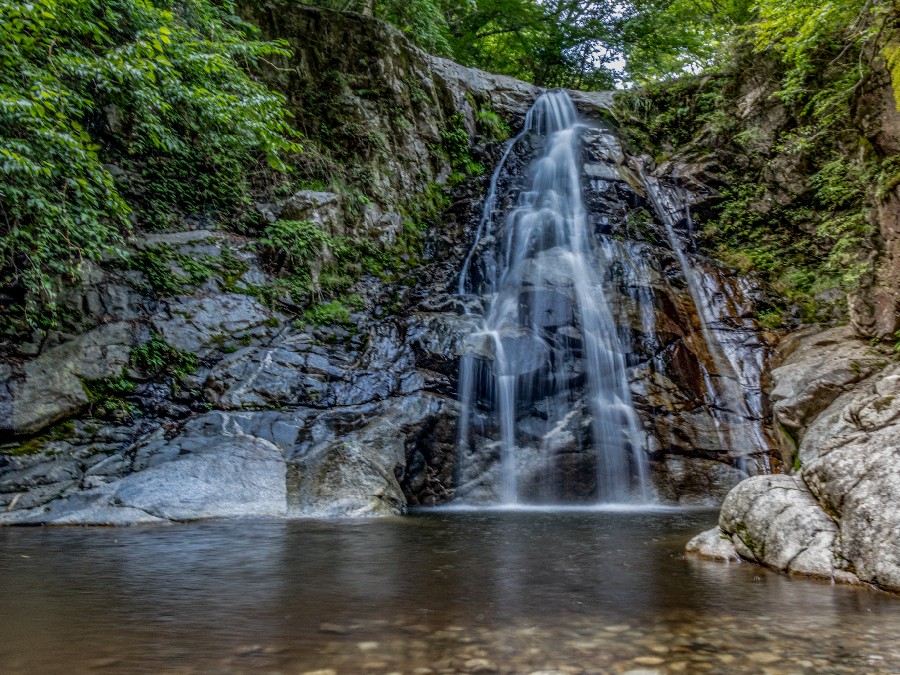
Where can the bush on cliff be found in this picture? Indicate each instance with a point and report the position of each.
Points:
(159, 85)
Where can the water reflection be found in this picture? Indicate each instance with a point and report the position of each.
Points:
(593, 589)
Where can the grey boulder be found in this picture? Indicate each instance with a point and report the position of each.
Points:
(50, 387)
(212, 470)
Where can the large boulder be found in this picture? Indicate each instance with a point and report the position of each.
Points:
(838, 515)
(774, 520)
(817, 368)
(358, 473)
(213, 469)
(850, 459)
(51, 387)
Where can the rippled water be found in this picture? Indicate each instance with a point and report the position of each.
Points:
(513, 592)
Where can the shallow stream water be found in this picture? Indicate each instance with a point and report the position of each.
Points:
(443, 592)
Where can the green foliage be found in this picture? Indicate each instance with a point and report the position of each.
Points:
(795, 206)
(354, 301)
(891, 54)
(327, 314)
(490, 124)
(313, 266)
(60, 432)
(662, 39)
(771, 319)
(169, 272)
(457, 146)
(107, 398)
(156, 357)
(665, 116)
(841, 187)
(83, 82)
(553, 44)
(422, 20)
(293, 243)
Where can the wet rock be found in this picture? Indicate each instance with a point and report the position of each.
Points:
(202, 325)
(177, 239)
(438, 340)
(507, 95)
(694, 480)
(357, 473)
(837, 516)
(546, 309)
(522, 353)
(212, 470)
(267, 377)
(602, 171)
(713, 544)
(550, 268)
(50, 387)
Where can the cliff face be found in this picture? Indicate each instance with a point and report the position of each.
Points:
(191, 384)
(875, 307)
(834, 391)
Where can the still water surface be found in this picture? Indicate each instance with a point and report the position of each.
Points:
(510, 592)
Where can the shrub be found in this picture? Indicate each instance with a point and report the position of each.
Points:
(83, 82)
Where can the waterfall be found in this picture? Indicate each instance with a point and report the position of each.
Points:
(544, 376)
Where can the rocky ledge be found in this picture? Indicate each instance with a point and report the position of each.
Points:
(837, 411)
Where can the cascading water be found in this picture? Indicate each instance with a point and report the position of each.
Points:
(736, 397)
(545, 375)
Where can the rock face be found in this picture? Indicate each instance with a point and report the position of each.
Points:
(211, 470)
(384, 102)
(836, 515)
(279, 417)
(817, 368)
(323, 421)
(51, 387)
(875, 307)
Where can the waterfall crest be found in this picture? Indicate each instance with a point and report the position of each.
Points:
(545, 373)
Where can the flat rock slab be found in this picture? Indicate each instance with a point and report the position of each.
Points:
(209, 473)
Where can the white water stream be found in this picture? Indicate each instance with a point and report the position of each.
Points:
(547, 339)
